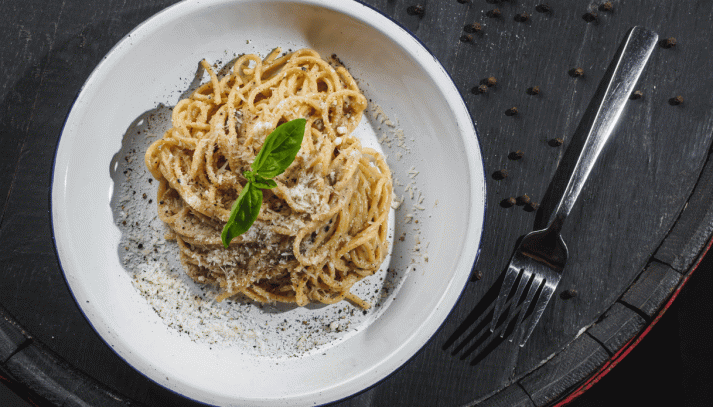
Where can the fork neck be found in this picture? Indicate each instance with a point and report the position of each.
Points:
(557, 221)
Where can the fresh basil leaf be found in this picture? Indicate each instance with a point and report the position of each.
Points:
(280, 149)
(249, 175)
(258, 181)
(243, 215)
(263, 183)
(277, 153)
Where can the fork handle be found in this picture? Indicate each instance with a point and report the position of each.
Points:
(637, 49)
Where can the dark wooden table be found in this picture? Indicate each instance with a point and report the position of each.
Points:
(643, 223)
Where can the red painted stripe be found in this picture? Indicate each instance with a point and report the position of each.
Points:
(619, 356)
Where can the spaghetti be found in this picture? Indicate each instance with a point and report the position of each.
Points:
(322, 229)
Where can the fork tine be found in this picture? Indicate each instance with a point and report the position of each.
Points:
(508, 282)
(526, 276)
(536, 282)
(505, 288)
(548, 289)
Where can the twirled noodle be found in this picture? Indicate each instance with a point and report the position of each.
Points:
(322, 229)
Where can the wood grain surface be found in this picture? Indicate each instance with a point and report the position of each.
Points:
(642, 222)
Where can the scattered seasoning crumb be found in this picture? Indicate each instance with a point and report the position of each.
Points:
(463, 1)
(516, 155)
(472, 28)
(576, 72)
(590, 17)
(637, 95)
(543, 8)
(479, 89)
(508, 202)
(416, 10)
(511, 112)
(476, 275)
(556, 142)
(491, 81)
(668, 42)
(523, 200)
(607, 6)
(522, 17)
(466, 38)
(566, 295)
(535, 90)
(500, 174)
(494, 13)
(531, 207)
(678, 100)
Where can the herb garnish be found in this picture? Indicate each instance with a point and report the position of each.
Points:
(277, 153)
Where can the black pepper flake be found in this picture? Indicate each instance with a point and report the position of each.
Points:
(476, 275)
(508, 202)
(123, 223)
(607, 6)
(637, 95)
(678, 100)
(472, 28)
(511, 112)
(523, 200)
(143, 196)
(500, 174)
(576, 72)
(494, 13)
(566, 295)
(150, 200)
(535, 90)
(522, 17)
(543, 8)
(556, 142)
(531, 207)
(466, 38)
(590, 17)
(140, 246)
(479, 89)
(668, 43)
(463, 1)
(516, 155)
(416, 10)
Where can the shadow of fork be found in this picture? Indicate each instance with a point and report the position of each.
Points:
(473, 336)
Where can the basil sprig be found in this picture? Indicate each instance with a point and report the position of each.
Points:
(277, 153)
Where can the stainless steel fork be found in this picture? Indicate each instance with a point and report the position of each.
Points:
(542, 255)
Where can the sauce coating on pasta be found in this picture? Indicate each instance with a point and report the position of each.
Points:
(322, 229)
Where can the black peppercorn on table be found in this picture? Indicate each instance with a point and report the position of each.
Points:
(528, 72)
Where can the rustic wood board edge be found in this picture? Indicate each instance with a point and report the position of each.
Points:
(41, 377)
(630, 318)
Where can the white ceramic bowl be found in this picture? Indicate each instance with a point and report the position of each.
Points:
(441, 160)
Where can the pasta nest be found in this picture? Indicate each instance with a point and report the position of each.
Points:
(322, 229)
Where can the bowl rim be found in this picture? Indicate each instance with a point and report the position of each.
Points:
(340, 7)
